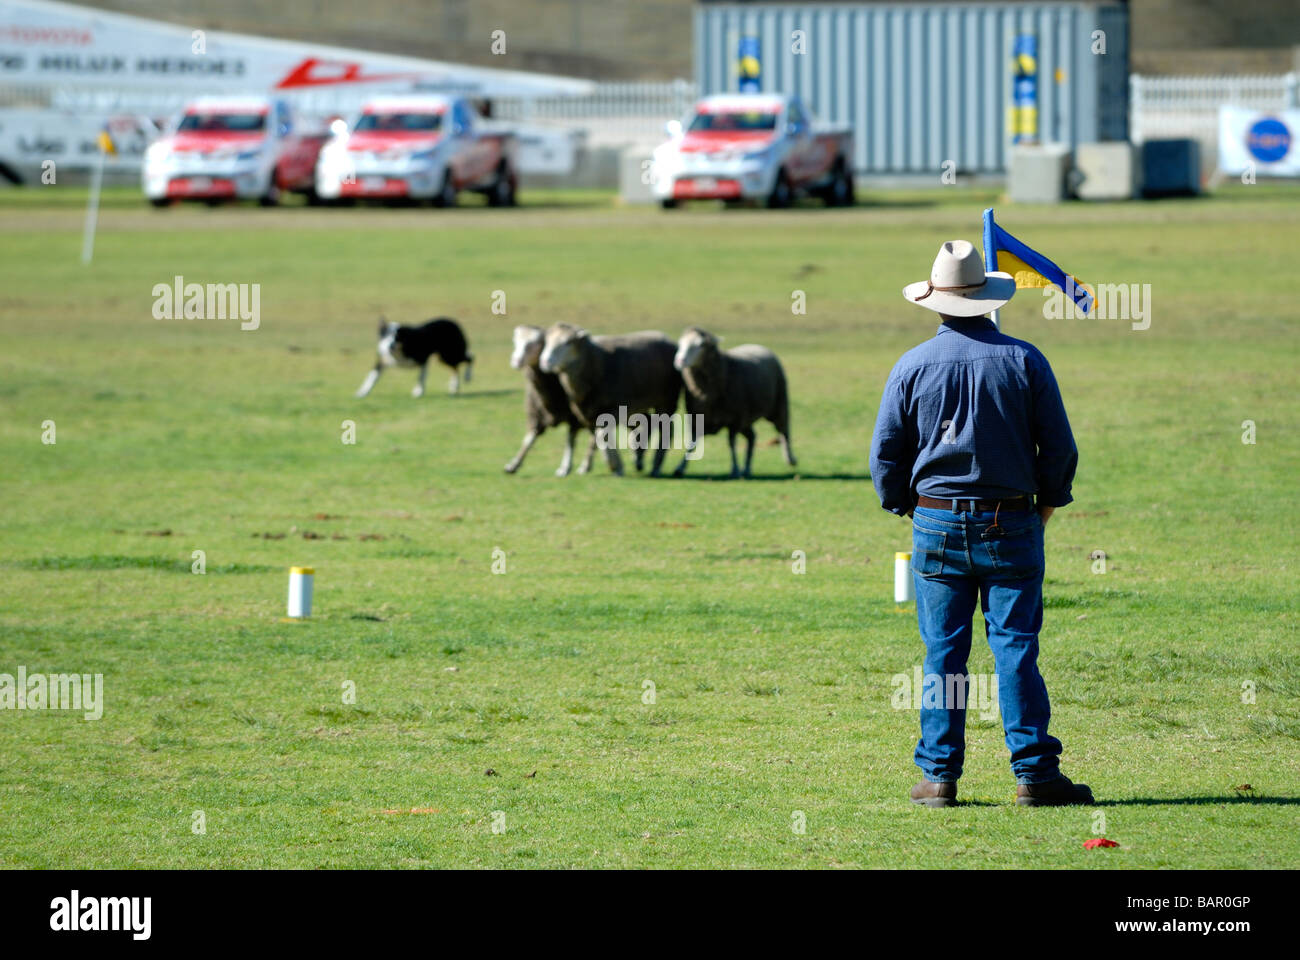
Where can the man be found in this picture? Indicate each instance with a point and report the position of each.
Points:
(973, 444)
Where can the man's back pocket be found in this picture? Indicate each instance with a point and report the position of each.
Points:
(927, 551)
(1016, 554)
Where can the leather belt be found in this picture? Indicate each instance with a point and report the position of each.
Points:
(976, 506)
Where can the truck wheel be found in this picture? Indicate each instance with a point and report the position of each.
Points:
(159, 203)
(668, 204)
(840, 191)
(782, 193)
(447, 195)
(502, 192)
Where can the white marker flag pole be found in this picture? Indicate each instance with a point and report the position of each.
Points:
(92, 204)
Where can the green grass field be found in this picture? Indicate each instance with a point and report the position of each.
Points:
(516, 701)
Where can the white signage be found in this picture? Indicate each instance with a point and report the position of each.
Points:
(30, 139)
(43, 42)
(1251, 141)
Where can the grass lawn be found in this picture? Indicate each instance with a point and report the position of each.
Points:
(501, 719)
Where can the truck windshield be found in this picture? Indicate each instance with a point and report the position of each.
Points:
(734, 120)
(400, 122)
(223, 122)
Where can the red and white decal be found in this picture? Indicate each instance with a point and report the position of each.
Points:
(316, 72)
(720, 141)
(200, 187)
(374, 187)
(706, 188)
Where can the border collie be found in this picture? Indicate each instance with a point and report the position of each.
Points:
(401, 346)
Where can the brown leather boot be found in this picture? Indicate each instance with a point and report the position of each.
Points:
(1054, 793)
(929, 793)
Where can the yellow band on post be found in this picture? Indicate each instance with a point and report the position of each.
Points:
(301, 570)
(902, 556)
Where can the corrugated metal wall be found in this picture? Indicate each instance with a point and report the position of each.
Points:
(921, 84)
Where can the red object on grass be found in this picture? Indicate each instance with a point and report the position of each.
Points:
(1096, 842)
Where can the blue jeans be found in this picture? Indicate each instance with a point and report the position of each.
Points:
(956, 560)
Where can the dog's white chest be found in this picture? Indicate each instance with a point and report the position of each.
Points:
(390, 352)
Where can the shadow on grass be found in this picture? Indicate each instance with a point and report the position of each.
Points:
(1195, 801)
(1150, 802)
(471, 394)
(882, 201)
(772, 477)
(808, 205)
(576, 203)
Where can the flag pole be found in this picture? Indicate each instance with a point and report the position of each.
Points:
(991, 260)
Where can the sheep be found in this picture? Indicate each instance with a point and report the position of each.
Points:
(732, 389)
(545, 402)
(616, 377)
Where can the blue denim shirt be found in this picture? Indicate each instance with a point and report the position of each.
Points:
(972, 413)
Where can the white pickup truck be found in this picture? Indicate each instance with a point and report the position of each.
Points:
(765, 147)
(418, 147)
(225, 148)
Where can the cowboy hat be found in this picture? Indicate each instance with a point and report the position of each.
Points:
(958, 285)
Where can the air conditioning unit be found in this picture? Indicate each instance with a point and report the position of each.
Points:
(1171, 168)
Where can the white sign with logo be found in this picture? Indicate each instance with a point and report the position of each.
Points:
(29, 138)
(1265, 143)
(102, 67)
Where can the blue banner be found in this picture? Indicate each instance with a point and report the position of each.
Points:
(1024, 87)
(749, 64)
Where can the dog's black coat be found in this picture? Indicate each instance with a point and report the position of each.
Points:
(402, 346)
(441, 336)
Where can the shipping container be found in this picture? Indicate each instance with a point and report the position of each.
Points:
(929, 86)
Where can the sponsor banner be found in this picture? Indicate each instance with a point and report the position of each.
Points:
(749, 65)
(1024, 89)
(43, 42)
(546, 150)
(28, 138)
(1265, 143)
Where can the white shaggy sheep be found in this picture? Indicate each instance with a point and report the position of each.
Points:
(732, 389)
(545, 402)
(612, 376)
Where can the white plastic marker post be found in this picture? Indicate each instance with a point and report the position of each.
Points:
(92, 203)
(300, 579)
(903, 578)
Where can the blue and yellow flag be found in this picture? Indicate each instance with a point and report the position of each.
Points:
(1030, 268)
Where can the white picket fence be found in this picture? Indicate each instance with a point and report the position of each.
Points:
(1188, 106)
(616, 114)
